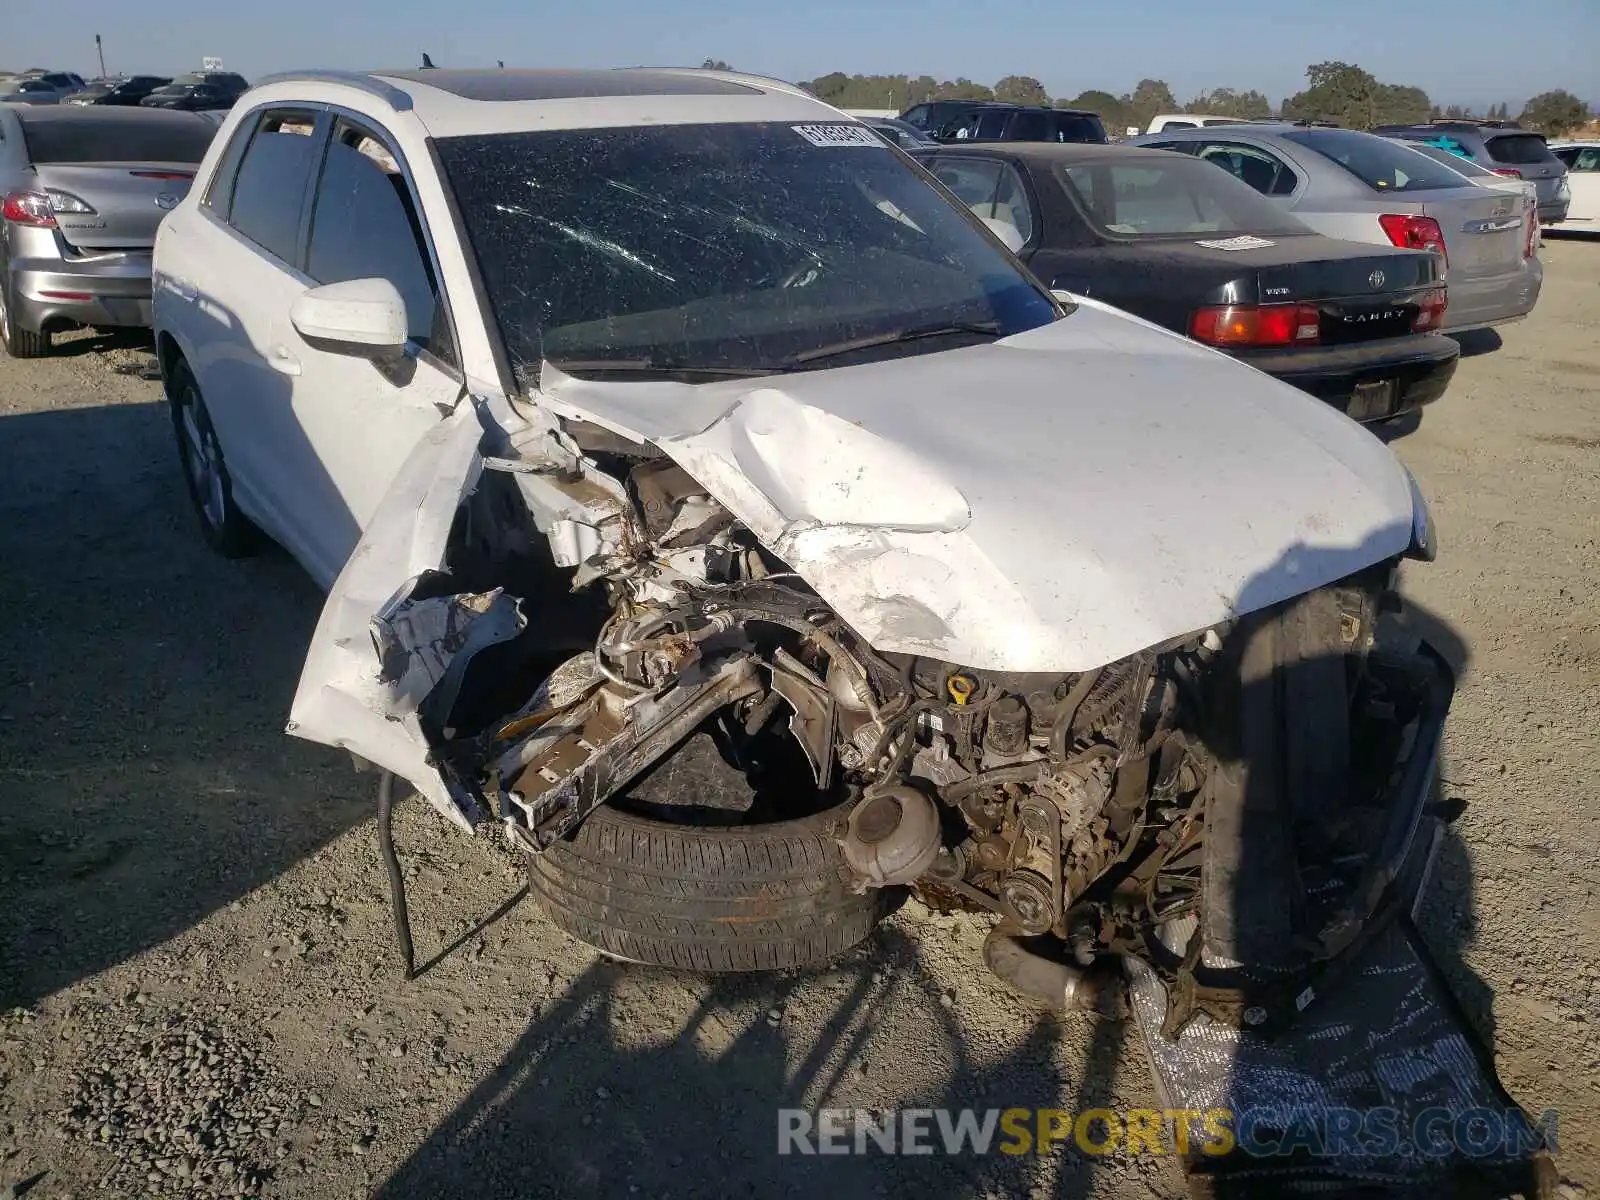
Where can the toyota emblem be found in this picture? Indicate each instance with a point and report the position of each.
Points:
(1376, 279)
(167, 201)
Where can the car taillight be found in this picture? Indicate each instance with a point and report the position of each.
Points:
(1510, 171)
(1250, 325)
(28, 208)
(1430, 310)
(1533, 234)
(1415, 233)
(66, 202)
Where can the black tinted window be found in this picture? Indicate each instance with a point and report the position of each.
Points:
(271, 185)
(1032, 127)
(1078, 127)
(1381, 164)
(365, 225)
(106, 139)
(1522, 148)
(735, 246)
(1265, 173)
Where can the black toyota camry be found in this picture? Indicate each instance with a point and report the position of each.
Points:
(1182, 244)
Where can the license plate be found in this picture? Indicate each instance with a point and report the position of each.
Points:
(1374, 400)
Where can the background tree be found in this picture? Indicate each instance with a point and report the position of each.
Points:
(1555, 113)
(1338, 92)
(715, 64)
(1398, 105)
(1352, 97)
(1113, 113)
(1225, 102)
(1152, 96)
(1021, 89)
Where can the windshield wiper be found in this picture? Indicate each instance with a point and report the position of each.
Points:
(895, 337)
(649, 366)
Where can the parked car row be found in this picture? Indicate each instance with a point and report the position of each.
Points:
(194, 92)
(1372, 189)
(1329, 258)
(1182, 244)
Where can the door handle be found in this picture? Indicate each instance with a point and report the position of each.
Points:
(280, 360)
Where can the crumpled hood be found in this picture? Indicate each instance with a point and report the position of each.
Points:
(1049, 502)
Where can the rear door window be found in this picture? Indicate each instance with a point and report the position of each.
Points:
(1265, 172)
(992, 189)
(973, 180)
(917, 116)
(110, 140)
(1519, 148)
(1385, 166)
(268, 194)
(1032, 127)
(1078, 127)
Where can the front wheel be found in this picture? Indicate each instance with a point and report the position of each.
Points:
(706, 898)
(227, 530)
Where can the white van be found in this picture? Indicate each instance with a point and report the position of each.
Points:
(1188, 121)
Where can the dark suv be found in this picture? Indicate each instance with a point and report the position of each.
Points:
(1504, 148)
(994, 121)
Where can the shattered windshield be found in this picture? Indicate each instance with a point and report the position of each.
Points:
(733, 247)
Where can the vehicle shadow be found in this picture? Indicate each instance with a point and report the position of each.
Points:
(700, 1110)
(81, 342)
(144, 685)
(1474, 342)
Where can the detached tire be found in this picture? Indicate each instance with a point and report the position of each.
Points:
(702, 898)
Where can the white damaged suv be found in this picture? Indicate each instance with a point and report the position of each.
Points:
(711, 503)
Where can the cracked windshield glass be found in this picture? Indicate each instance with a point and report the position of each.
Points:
(734, 249)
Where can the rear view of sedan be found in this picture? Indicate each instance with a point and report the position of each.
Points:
(1179, 243)
(82, 191)
(1355, 185)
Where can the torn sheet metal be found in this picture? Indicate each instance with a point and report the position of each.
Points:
(1051, 501)
(344, 698)
(424, 646)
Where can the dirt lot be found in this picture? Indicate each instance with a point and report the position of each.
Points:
(193, 923)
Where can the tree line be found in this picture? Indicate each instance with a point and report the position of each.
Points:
(1335, 91)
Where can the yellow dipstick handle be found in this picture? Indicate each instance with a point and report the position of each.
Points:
(961, 688)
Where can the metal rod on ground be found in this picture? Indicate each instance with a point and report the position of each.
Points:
(397, 885)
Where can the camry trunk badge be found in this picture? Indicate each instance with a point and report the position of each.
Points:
(1376, 279)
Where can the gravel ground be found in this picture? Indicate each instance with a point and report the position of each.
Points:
(199, 986)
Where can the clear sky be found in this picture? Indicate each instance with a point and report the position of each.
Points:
(1469, 51)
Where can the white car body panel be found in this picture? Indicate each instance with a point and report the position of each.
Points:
(1584, 214)
(1125, 486)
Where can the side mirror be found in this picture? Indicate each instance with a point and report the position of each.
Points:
(360, 316)
(1006, 232)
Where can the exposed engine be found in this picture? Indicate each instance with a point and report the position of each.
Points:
(1070, 805)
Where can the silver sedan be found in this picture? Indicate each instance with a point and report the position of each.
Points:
(1354, 185)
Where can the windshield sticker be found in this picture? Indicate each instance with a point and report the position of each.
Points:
(1246, 241)
(839, 135)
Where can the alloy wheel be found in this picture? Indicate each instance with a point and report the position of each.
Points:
(203, 458)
